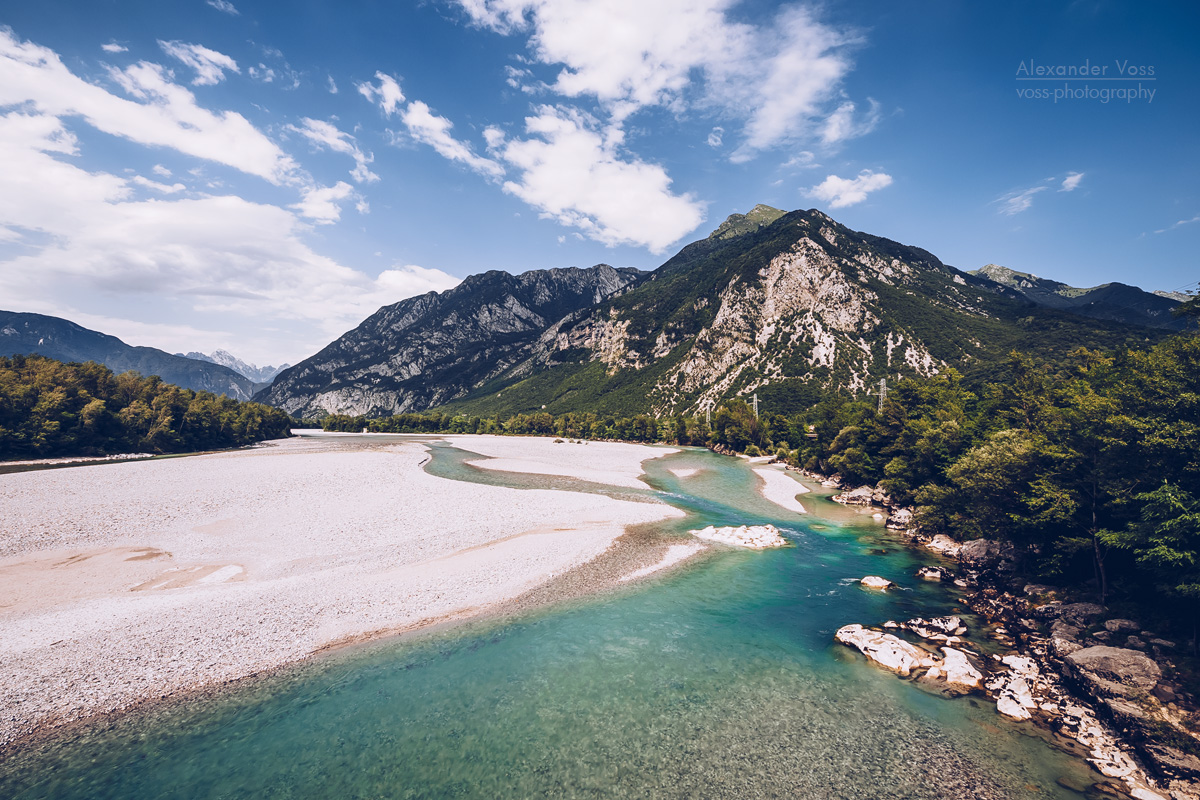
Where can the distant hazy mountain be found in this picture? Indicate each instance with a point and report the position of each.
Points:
(24, 334)
(789, 306)
(431, 349)
(263, 375)
(1114, 301)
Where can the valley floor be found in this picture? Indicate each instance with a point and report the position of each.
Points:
(130, 581)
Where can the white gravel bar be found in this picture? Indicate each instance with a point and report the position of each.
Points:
(781, 489)
(613, 463)
(122, 582)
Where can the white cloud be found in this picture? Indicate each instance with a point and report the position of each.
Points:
(715, 136)
(161, 188)
(1180, 224)
(224, 6)
(262, 73)
(210, 65)
(241, 266)
(842, 192)
(166, 116)
(802, 160)
(333, 87)
(113, 47)
(1016, 202)
(324, 134)
(628, 54)
(1071, 181)
(425, 126)
(322, 204)
(386, 95)
(842, 124)
(575, 174)
(161, 171)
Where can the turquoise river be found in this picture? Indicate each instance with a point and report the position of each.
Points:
(719, 679)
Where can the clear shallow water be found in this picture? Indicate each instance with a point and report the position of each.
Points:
(719, 680)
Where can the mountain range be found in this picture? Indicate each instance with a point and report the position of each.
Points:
(260, 375)
(1113, 301)
(790, 306)
(26, 334)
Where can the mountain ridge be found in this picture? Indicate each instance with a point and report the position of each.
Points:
(792, 307)
(61, 339)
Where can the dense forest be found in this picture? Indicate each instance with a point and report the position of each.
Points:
(48, 408)
(1091, 466)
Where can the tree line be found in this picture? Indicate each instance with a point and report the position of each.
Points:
(48, 408)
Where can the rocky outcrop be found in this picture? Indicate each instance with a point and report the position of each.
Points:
(1105, 672)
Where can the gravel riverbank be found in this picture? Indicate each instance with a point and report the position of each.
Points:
(130, 581)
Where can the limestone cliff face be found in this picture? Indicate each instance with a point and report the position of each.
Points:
(432, 349)
(801, 300)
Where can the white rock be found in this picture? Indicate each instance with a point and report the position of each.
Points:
(944, 544)
(876, 582)
(756, 537)
(1015, 699)
(884, 649)
(959, 671)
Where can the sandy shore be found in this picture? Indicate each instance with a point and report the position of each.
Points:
(612, 463)
(140, 580)
(781, 489)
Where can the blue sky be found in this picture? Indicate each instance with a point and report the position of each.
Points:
(260, 176)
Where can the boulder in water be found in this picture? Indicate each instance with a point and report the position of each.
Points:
(884, 649)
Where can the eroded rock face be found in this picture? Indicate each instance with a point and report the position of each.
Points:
(900, 519)
(1112, 671)
(885, 650)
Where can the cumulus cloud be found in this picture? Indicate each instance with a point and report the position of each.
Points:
(1071, 181)
(240, 262)
(842, 192)
(224, 6)
(210, 65)
(325, 135)
(386, 95)
(322, 204)
(425, 126)
(778, 77)
(716, 136)
(161, 112)
(575, 174)
(113, 47)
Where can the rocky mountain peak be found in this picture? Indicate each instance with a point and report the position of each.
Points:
(738, 224)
